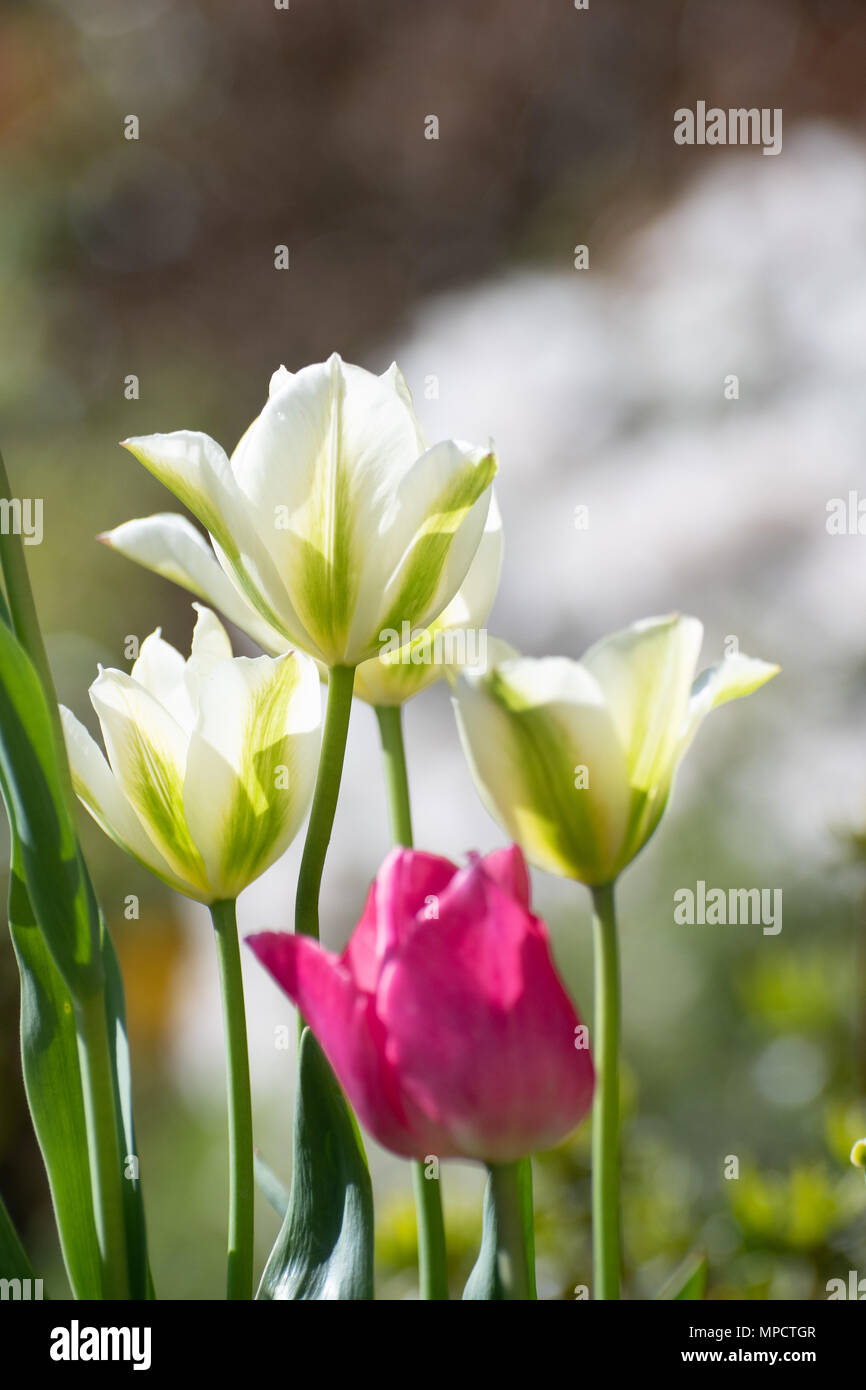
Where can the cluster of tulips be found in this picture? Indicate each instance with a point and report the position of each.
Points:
(443, 1025)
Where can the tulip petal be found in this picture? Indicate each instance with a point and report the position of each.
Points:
(495, 1064)
(147, 752)
(533, 733)
(729, 679)
(507, 867)
(196, 469)
(345, 1025)
(407, 887)
(646, 673)
(161, 671)
(169, 545)
(316, 468)
(251, 764)
(99, 791)
(441, 506)
(451, 640)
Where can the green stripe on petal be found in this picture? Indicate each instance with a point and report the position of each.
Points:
(528, 729)
(99, 792)
(392, 678)
(251, 765)
(320, 468)
(440, 550)
(147, 751)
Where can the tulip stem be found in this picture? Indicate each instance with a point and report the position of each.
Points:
(605, 1114)
(432, 1256)
(390, 719)
(341, 680)
(239, 1281)
(507, 1196)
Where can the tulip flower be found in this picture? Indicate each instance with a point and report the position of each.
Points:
(444, 1018)
(333, 519)
(211, 761)
(575, 759)
(169, 545)
(335, 523)
(211, 765)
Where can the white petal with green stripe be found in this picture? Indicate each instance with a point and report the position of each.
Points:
(196, 469)
(455, 637)
(547, 761)
(146, 748)
(252, 764)
(99, 791)
(169, 545)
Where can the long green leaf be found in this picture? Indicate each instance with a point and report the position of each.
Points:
(14, 1263)
(64, 952)
(325, 1247)
(52, 1080)
(133, 1201)
(47, 841)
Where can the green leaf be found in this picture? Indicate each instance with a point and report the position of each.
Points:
(689, 1281)
(485, 1283)
(14, 1263)
(50, 857)
(325, 1247)
(52, 1080)
(140, 1284)
(273, 1191)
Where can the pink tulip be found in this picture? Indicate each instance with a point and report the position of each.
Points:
(444, 1018)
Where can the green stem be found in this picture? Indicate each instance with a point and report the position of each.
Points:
(432, 1256)
(97, 1085)
(390, 719)
(341, 680)
(605, 1113)
(512, 1257)
(239, 1282)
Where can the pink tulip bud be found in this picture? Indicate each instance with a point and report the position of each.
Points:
(444, 1018)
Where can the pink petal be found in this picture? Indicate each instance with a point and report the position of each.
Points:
(480, 1029)
(344, 1022)
(409, 882)
(508, 868)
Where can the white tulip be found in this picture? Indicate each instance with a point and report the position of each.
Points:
(170, 546)
(575, 759)
(332, 519)
(211, 761)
